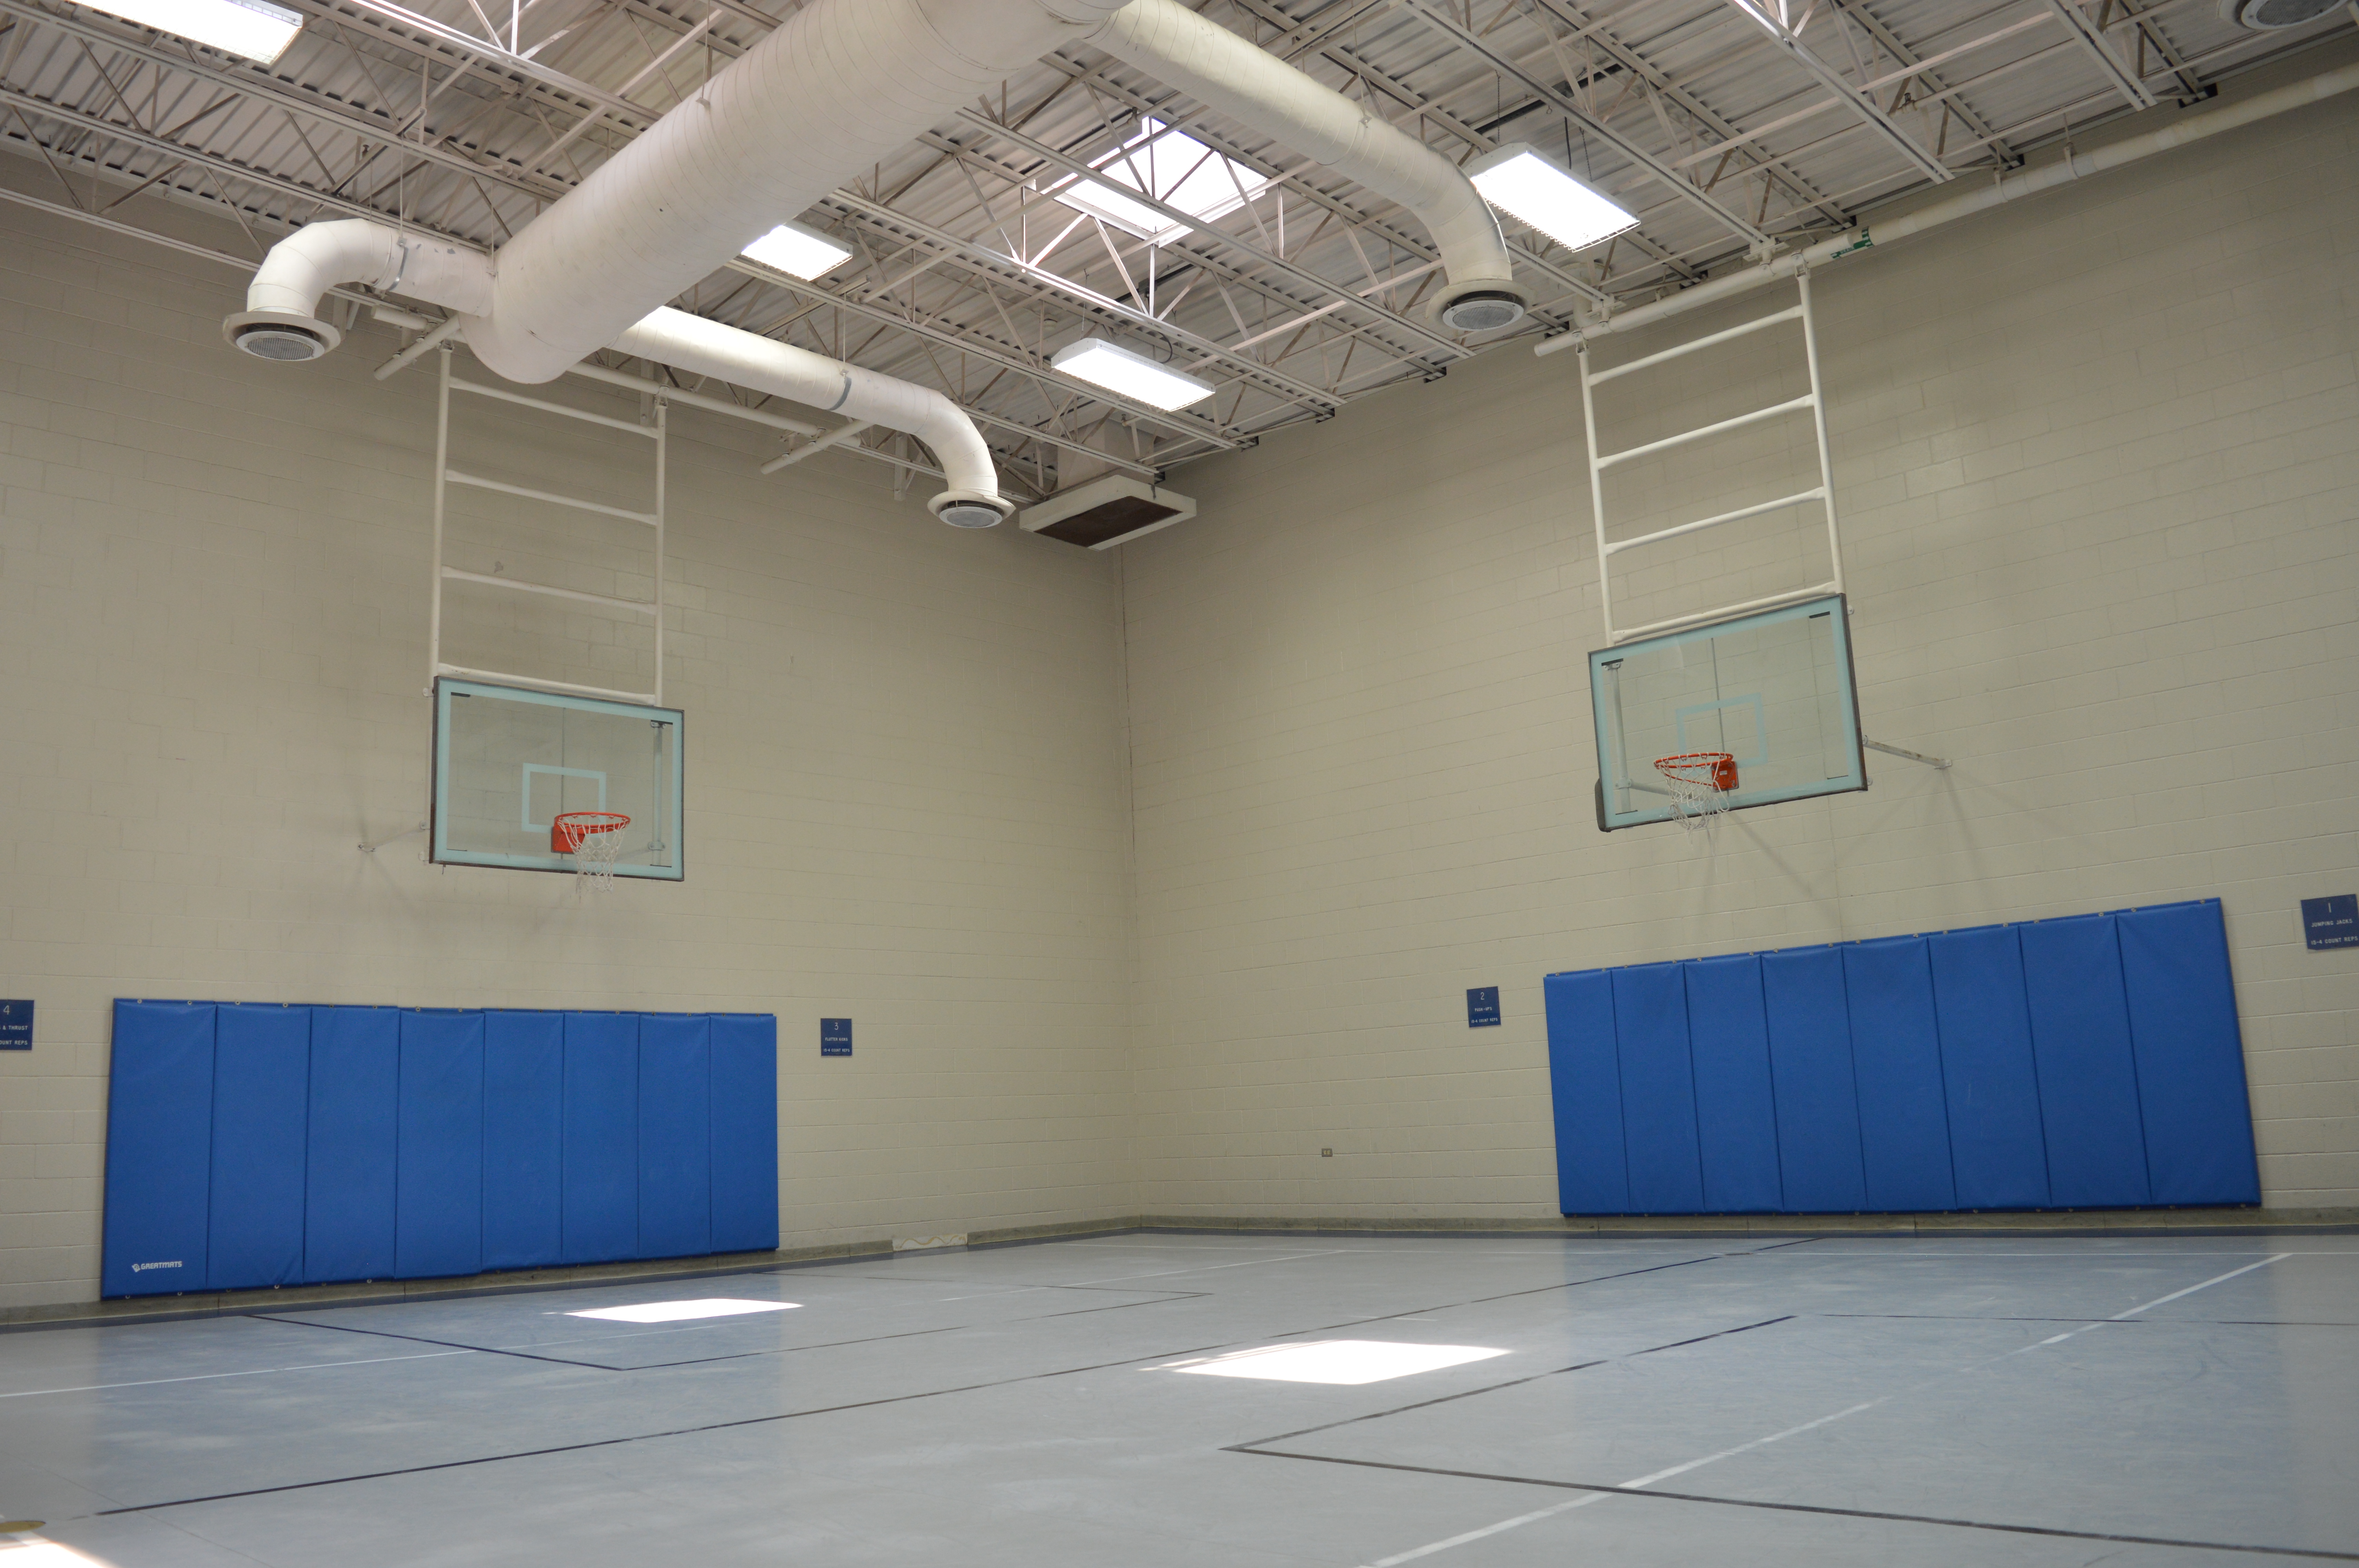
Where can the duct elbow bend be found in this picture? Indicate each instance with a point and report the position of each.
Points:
(281, 319)
(972, 501)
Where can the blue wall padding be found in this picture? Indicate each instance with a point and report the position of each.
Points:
(348, 1186)
(2087, 1062)
(1593, 1174)
(745, 1133)
(524, 1139)
(438, 1224)
(675, 1135)
(1895, 1059)
(250, 1146)
(261, 1102)
(1658, 1112)
(1811, 1066)
(1737, 1109)
(2199, 1126)
(159, 1142)
(1996, 1149)
(601, 1137)
(2088, 1078)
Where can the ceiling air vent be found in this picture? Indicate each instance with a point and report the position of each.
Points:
(2269, 16)
(1106, 512)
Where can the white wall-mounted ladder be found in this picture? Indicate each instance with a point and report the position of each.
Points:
(1823, 492)
(445, 476)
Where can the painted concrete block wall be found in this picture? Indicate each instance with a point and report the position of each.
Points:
(906, 786)
(2099, 457)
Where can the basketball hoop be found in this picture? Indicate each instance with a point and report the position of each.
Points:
(595, 838)
(1701, 783)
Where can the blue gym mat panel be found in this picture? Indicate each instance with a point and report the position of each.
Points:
(1659, 1105)
(440, 1169)
(2088, 1078)
(2191, 1096)
(1896, 1054)
(348, 1184)
(1737, 1108)
(1593, 1173)
(601, 1137)
(159, 1141)
(1998, 1150)
(261, 1100)
(1811, 1071)
(524, 1139)
(2088, 1061)
(675, 1135)
(745, 1133)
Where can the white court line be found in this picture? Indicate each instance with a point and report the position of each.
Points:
(1522, 1520)
(252, 1372)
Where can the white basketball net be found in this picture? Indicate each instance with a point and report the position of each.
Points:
(1696, 802)
(595, 849)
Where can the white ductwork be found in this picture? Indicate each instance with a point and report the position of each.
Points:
(1234, 76)
(748, 360)
(2030, 182)
(281, 319)
(840, 86)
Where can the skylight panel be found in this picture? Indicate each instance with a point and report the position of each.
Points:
(1171, 166)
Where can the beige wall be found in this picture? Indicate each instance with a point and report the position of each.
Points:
(905, 788)
(2099, 461)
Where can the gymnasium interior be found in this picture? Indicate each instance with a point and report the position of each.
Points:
(1227, 784)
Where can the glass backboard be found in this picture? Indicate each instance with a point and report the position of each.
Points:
(507, 761)
(1774, 690)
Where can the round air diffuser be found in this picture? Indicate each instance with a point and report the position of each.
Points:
(280, 335)
(2270, 15)
(1481, 312)
(970, 514)
(275, 342)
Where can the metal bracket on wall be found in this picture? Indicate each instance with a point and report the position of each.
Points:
(1898, 752)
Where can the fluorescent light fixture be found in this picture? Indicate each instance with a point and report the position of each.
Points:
(1173, 167)
(1117, 369)
(1527, 186)
(254, 28)
(683, 1312)
(798, 252)
(1334, 1361)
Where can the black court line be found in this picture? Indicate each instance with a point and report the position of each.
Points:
(652, 1437)
(699, 1360)
(1503, 1296)
(1510, 1383)
(1819, 1509)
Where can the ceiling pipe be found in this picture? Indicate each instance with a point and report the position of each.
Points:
(840, 86)
(2029, 182)
(1236, 77)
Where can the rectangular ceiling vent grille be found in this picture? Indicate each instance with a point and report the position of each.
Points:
(1107, 511)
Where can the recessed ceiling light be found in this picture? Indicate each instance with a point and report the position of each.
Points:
(1173, 167)
(683, 1312)
(1117, 369)
(1524, 184)
(798, 252)
(1335, 1361)
(254, 28)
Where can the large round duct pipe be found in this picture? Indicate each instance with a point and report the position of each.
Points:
(2013, 186)
(281, 321)
(748, 360)
(1232, 76)
(841, 85)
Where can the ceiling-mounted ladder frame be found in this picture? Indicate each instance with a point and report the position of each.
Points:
(1823, 492)
(445, 476)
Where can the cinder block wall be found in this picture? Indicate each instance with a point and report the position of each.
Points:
(2099, 461)
(906, 781)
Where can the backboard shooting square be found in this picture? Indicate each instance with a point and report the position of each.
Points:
(1773, 689)
(509, 760)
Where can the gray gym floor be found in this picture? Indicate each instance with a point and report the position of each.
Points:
(2158, 1401)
